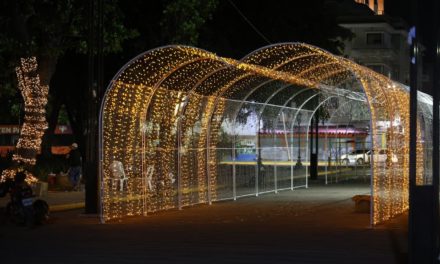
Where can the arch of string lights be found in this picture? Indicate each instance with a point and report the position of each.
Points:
(173, 119)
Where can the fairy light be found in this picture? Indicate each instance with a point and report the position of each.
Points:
(35, 100)
(169, 105)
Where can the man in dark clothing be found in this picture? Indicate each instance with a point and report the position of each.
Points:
(74, 159)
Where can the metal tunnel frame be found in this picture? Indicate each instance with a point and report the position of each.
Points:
(171, 117)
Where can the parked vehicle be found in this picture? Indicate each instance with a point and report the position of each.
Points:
(360, 157)
(383, 156)
(356, 157)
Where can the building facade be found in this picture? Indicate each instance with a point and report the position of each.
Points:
(379, 41)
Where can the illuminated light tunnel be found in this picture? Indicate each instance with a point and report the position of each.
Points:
(181, 126)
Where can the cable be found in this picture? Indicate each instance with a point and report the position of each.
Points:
(249, 22)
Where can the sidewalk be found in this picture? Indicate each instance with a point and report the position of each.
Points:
(58, 200)
(314, 225)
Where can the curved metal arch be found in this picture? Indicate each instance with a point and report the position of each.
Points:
(157, 84)
(309, 122)
(235, 121)
(122, 70)
(333, 114)
(272, 96)
(370, 104)
(284, 105)
(318, 51)
(259, 116)
(286, 63)
(308, 127)
(160, 81)
(209, 119)
(208, 133)
(208, 137)
(328, 56)
(182, 65)
(283, 44)
(280, 65)
(292, 97)
(394, 143)
(302, 105)
(357, 72)
(213, 110)
(337, 126)
(110, 88)
(299, 109)
(319, 66)
(145, 112)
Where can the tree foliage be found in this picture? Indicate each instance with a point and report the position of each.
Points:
(231, 34)
(50, 28)
(57, 31)
(182, 19)
(47, 29)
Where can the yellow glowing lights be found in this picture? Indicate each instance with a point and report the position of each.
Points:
(163, 113)
(35, 99)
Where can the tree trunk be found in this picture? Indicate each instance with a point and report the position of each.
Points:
(35, 99)
(46, 146)
(46, 70)
(77, 126)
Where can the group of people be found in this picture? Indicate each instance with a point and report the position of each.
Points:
(24, 208)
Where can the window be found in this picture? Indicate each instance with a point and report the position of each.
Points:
(374, 38)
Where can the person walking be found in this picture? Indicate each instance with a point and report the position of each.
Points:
(74, 160)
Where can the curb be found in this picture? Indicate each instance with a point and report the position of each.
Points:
(65, 207)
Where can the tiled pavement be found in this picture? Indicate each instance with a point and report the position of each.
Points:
(315, 225)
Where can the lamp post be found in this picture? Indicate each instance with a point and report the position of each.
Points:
(93, 94)
(423, 224)
(298, 164)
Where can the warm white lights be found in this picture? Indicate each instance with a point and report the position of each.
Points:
(35, 99)
(162, 117)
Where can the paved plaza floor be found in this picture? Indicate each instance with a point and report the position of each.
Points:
(314, 225)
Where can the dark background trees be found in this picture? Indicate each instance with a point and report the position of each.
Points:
(51, 31)
(233, 30)
(56, 32)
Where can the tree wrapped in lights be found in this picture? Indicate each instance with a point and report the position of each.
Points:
(35, 100)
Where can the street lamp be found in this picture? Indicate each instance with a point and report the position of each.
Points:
(298, 164)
